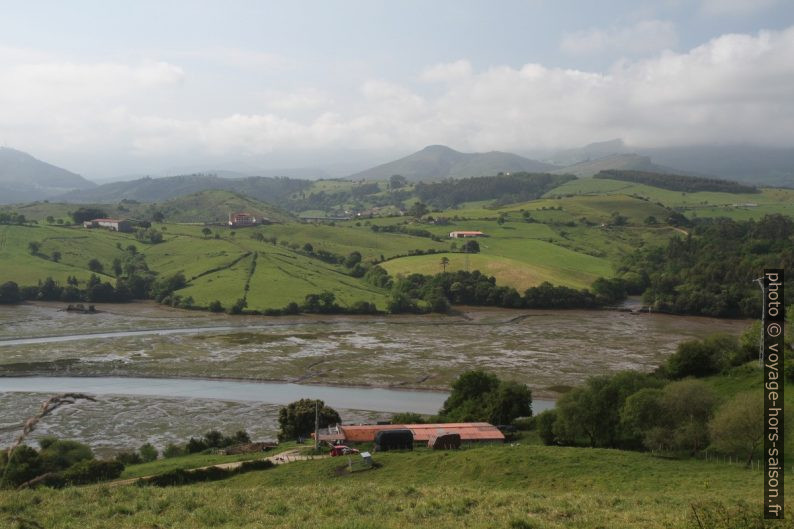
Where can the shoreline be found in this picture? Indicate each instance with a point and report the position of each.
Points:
(542, 395)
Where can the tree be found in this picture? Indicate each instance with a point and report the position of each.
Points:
(469, 393)
(471, 247)
(215, 306)
(444, 263)
(56, 256)
(297, 419)
(50, 219)
(117, 268)
(418, 210)
(510, 401)
(56, 454)
(95, 266)
(353, 259)
(591, 413)
(84, 214)
(238, 306)
(545, 426)
(206, 232)
(148, 453)
(308, 248)
(397, 181)
(158, 216)
(9, 293)
(700, 358)
(738, 426)
(33, 247)
(688, 407)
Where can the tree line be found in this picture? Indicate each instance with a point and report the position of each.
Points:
(711, 271)
(518, 187)
(676, 182)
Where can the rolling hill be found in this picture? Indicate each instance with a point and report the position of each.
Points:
(215, 205)
(158, 189)
(25, 178)
(437, 162)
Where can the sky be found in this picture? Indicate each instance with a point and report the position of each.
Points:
(120, 88)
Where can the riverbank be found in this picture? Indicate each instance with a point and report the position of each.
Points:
(547, 350)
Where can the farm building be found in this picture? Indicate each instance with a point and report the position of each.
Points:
(239, 220)
(469, 432)
(123, 226)
(463, 234)
(402, 439)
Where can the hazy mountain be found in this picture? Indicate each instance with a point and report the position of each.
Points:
(588, 153)
(438, 162)
(159, 189)
(745, 163)
(24, 178)
(635, 162)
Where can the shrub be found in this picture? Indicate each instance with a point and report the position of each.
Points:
(148, 453)
(129, 458)
(172, 450)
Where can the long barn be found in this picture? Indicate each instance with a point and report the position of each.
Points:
(470, 432)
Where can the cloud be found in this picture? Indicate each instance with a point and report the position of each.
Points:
(735, 7)
(447, 72)
(646, 36)
(731, 89)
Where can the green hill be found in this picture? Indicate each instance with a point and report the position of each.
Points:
(504, 486)
(214, 207)
(438, 162)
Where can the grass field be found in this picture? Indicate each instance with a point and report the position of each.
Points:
(518, 264)
(491, 486)
(571, 241)
(700, 204)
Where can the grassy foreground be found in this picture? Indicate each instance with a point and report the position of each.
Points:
(492, 486)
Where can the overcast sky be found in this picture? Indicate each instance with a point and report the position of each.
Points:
(109, 88)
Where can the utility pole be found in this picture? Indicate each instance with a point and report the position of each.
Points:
(760, 281)
(316, 425)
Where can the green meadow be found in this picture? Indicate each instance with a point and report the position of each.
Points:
(568, 237)
(506, 486)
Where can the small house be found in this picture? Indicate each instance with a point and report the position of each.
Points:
(123, 226)
(240, 220)
(464, 234)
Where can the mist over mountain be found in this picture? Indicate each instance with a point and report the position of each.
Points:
(746, 163)
(438, 162)
(25, 178)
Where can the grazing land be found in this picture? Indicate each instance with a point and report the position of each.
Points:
(491, 486)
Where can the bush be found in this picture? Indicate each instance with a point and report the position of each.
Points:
(297, 419)
(215, 306)
(148, 453)
(700, 358)
(92, 471)
(129, 458)
(184, 477)
(172, 450)
(545, 426)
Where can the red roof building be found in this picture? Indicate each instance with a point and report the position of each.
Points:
(470, 432)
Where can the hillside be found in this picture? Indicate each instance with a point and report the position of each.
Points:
(504, 486)
(148, 189)
(215, 206)
(437, 162)
(588, 168)
(25, 178)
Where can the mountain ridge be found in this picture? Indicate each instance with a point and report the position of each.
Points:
(24, 177)
(439, 162)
